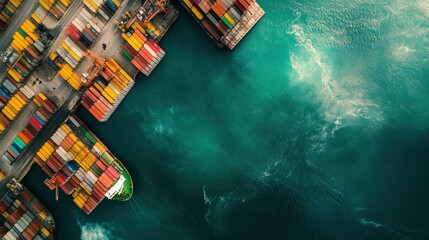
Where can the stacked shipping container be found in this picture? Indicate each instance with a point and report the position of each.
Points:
(23, 217)
(13, 106)
(226, 21)
(107, 92)
(35, 124)
(68, 74)
(83, 30)
(105, 8)
(55, 7)
(143, 53)
(79, 164)
(26, 42)
(7, 11)
(82, 33)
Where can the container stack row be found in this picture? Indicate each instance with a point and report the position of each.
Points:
(70, 52)
(83, 30)
(23, 217)
(7, 11)
(225, 21)
(26, 36)
(26, 41)
(143, 52)
(79, 164)
(7, 89)
(108, 9)
(35, 124)
(105, 8)
(108, 91)
(13, 107)
(56, 8)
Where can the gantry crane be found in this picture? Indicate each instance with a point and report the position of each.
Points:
(51, 184)
(149, 10)
(97, 64)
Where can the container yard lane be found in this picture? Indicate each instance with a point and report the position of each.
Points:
(25, 10)
(24, 163)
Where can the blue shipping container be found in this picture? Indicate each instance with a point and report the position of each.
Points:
(39, 119)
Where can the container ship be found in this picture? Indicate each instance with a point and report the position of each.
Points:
(23, 216)
(225, 21)
(78, 163)
(143, 31)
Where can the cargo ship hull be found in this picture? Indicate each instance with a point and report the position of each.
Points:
(78, 163)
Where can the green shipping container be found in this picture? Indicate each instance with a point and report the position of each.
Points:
(228, 24)
(91, 138)
(83, 129)
(108, 160)
(21, 142)
(127, 54)
(22, 32)
(96, 170)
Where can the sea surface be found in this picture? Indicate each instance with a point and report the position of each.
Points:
(315, 127)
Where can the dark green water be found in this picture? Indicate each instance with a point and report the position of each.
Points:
(315, 127)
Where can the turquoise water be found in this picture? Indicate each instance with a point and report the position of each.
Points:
(315, 127)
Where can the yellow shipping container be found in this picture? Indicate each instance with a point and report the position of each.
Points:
(65, 3)
(52, 56)
(12, 103)
(75, 193)
(20, 99)
(122, 71)
(10, 9)
(197, 13)
(30, 25)
(45, 232)
(188, 3)
(111, 93)
(8, 114)
(84, 166)
(42, 96)
(229, 18)
(16, 4)
(136, 25)
(2, 127)
(44, 5)
(93, 4)
(33, 36)
(36, 18)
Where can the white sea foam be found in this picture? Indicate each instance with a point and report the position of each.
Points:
(341, 98)
(424, 5)
(98, 231)
(370, 223)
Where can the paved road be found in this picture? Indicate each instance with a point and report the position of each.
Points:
(24, 12)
